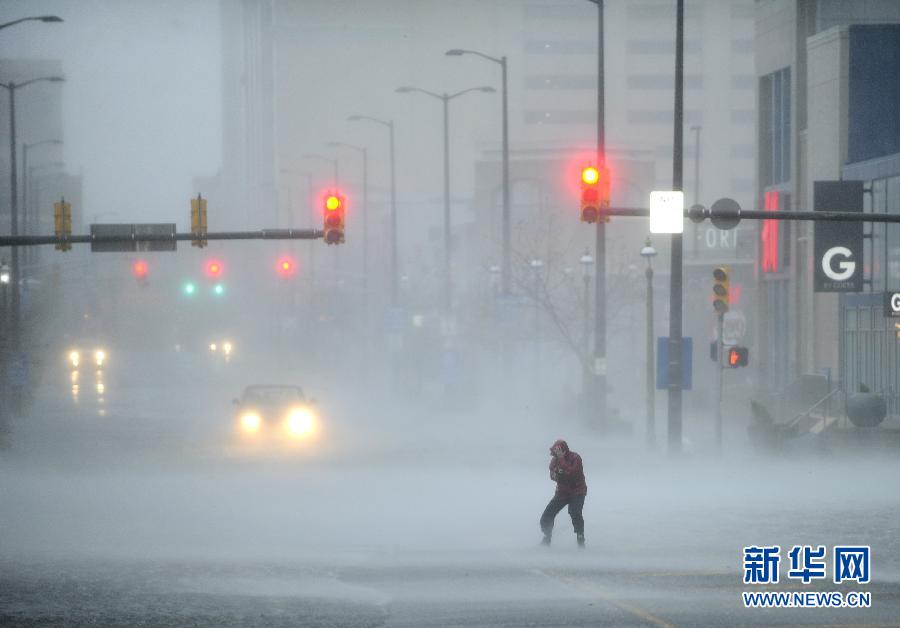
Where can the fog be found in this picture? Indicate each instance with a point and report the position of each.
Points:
(428, 456)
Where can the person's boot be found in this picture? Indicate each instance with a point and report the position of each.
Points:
(580, 541)
(546, 540)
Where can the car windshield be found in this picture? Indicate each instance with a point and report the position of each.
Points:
(273, 395)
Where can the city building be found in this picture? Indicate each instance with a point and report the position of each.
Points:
(827, 83)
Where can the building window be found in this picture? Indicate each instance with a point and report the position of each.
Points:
(775, 127)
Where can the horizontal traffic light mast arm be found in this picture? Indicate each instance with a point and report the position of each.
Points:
(264, 234)
(760, 214)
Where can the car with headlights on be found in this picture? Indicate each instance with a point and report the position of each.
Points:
(275, 414)
(87, 355)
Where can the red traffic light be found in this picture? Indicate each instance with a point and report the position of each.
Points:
(214, 268)
(139, 269)
(286, 266)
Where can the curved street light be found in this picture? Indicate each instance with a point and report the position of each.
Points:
(11, 87)
(40, 18)
(332, 160)
(501, 61)
(445, 99)
(389, 124)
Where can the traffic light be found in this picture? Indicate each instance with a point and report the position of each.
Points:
(62, 222)
(219, 289)
(286, 267)
(189, 288)
(721, 294)
(738, 356)
(334, 218)
(213, 268)
(198, 220)
(140, 270)
(594, 194)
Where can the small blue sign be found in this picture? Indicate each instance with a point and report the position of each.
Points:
(662, 363)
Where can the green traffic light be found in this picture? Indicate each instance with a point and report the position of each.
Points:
(219, 289)
(190, 288)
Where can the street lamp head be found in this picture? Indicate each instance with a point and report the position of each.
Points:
(335, 144)
(455, 52)
(487, 89)
(403, 90)
(55, 79)
(50, 18)
(648, 251)
(354, 118)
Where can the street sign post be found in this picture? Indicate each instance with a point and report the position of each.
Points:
(662, 363)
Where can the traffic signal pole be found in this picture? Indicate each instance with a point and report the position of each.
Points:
(675, 285)
(599, 365)
(720, 369)
(263, 234)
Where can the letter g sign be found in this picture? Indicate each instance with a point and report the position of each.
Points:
(846, 268)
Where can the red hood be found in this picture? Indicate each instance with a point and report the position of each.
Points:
(560, 443)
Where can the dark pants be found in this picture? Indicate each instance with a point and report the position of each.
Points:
(575, 504)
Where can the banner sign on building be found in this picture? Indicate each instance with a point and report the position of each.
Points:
(839, 245)
(892, 304)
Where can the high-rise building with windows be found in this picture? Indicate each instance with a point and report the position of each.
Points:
(828, 84)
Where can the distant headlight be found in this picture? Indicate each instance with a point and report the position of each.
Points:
(99, 357)
(213, 346)
(251, 422)
(226, 347)
(74, 358)
(301, 422)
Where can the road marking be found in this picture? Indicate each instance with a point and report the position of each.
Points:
(606, 596)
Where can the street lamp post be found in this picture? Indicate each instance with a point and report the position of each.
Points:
(11, 87)
(27, 218)
(394, 276)
(332, 160)
(696, 128)
(38, 18)
(506, 255)
(648, 253)
(536, 266)
(586, 261)
(365, 213)
(445, 99)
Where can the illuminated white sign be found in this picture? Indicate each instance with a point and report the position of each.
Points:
(667, 212)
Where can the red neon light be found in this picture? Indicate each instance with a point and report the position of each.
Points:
(769, 234)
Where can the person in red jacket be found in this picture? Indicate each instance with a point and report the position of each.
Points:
(566, 470)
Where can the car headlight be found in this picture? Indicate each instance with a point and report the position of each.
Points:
(213, 347)
(99, 357)
(251, 421)
(301, 422)
(74, 358)
(226, 347)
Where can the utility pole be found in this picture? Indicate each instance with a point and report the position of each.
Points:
(675, 285)
(598, 368)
